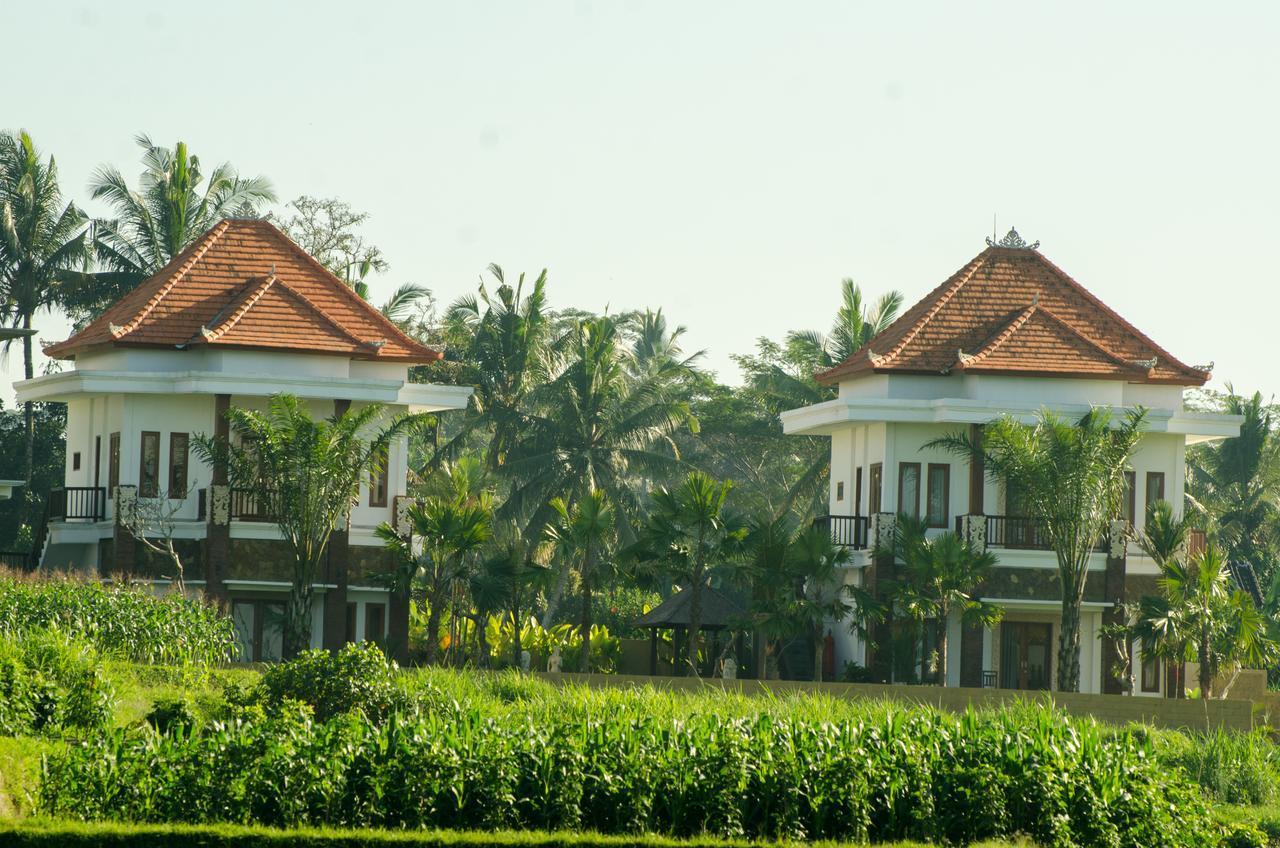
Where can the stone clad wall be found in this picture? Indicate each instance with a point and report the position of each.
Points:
(1112, 709)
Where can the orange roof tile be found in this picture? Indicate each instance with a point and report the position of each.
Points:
(1012, 311)
(245, 284)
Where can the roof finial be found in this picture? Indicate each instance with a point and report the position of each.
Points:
(1012, 240)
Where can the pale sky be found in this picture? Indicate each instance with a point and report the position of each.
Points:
(729, 161)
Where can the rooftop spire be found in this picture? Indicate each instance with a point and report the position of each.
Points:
(1013, 240)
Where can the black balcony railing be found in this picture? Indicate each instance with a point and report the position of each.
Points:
(15, 560)
(1022, 533)
(253, 505)
(78, 503)
(847, 530)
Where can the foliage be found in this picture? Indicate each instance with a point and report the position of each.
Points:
(169, 714)
(119, 620)
(357, 678)
(51, 682)
(1235, 768)
(584, 533)
(173, 205)
(941, 576)
(1070, 477)
(309, 470)
(19, 515)
(639, 762)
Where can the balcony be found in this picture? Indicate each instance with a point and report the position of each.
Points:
(1015, 532)
(246, 505)
(847, 530)
(77, 503)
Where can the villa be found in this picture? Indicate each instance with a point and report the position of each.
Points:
(243, 313)
(1009, 333)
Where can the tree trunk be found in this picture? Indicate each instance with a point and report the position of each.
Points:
(297, 620)
(1069, 648)
(482, 640)
(28, 408)
(942, 648)
(515, 623)
(1206, 674)
(557, 593)
(695, 619)
(584, 628)
(819, 652)
(433, 627)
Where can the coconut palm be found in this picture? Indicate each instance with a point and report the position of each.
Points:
(310, 472)
(856, 324)
(43, 247)
(688, 532)
(507, 334)
(510, 578)
(584, 531)
(941, 576)
(1072, 479)
(451, 530)
(594, 427)
(175, 202)
(1235, 484)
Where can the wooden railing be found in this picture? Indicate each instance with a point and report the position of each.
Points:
(253, 505)
(78, 503)
(14, 560)
(847, 530)
(1021, 533)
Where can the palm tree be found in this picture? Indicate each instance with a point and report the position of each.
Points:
(1199, 616)
(688, 532)
(941, 576)
(507, 336)
(784, 377)
(821, 597)
(42, 243)
(309, 471)
(172, 206)
(584, 531)
(593, 427)
(1072, 479)
(510, 578)
(452, 529)
(1235, 484)
(656, 349)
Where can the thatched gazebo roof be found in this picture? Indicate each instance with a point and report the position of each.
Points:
(718, 611)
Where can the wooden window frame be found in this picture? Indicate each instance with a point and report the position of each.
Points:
(857, 491)
(903, 467)
(381, 479)
(875, 494)
(142, 464)
(1131, 497)
(75, 461)
(1154, 662)
(839, 490)
(97, 462)
(113, 463)
(349, 623)
(381, 637)
(1146, 492)
(178, 489)
(945, 468)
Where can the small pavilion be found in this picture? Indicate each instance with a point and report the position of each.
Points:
(719, 613)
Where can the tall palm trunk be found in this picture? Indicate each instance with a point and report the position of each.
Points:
(819, 652)
(584, 662)
(28, 408)
(433, 624)
(941, 637)
(517, 650)
(1206, 674)
(557, 594)
(297, 619)
(1069, 648)
(695, 619)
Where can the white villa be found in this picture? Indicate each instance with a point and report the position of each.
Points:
(1009, 333)
(241, 314)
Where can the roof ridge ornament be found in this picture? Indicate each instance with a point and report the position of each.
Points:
(1012, 240)
(1148, 364)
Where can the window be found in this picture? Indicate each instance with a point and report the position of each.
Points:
(839, 490)
(75, 461)
(374, 622)
(149, 465)
(1155, 488)
(857, 491)
(909, 488)
(1150, 674)
(378, 481)
(877, 488)
(1128, 505)
(178, 465)
(350, 635)
(938, 494)
(97, 461)
(113, 464)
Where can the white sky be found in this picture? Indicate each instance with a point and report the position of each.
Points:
(729, 162)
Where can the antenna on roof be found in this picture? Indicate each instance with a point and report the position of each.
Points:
(993, 226)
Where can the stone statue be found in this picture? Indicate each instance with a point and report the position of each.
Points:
(526, 660)
(729, 669)
(553, 665)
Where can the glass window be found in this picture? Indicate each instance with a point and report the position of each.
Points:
(113, 464)
(178, 465)
(1150, 674)
(857, 491)
(1155, 489)
(840, 490)
(149, 465)
(909, 488)
(1127, 505)
(938, 494)
(877, 488)
(378, 481)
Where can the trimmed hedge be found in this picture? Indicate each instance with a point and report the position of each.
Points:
(52, 834)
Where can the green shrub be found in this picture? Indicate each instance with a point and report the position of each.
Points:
(120, 620)
(645, 762)
(1238, 768)
(358, 677)
(52, 682)
(167, 714)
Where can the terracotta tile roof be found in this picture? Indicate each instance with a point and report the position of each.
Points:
(245, 284)
(1012, 311)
